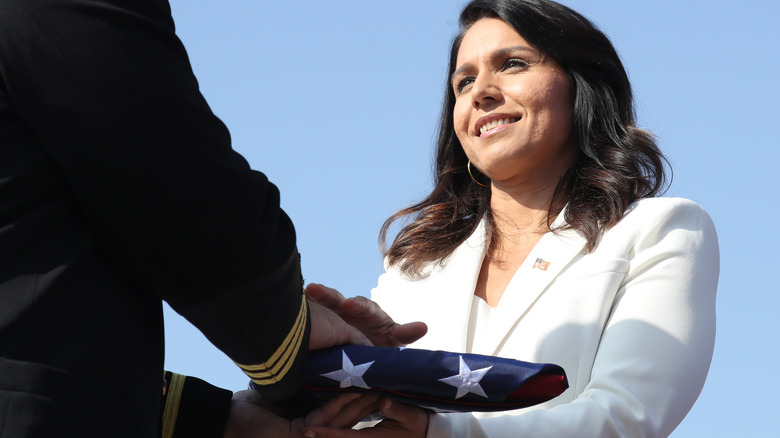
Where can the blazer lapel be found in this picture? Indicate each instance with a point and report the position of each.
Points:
(548, 258)
(451, 290)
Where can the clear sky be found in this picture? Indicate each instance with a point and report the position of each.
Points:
(337, 102)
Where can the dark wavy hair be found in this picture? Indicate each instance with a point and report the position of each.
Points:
(617, 162)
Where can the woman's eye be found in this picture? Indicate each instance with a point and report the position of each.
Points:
(515, 63)
(463, 83)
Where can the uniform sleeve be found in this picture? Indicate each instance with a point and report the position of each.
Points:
(107, 88)
(655, 351)
(192, 408)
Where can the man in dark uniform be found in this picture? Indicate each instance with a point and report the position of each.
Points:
(119, 189)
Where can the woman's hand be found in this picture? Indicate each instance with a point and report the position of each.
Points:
(367, 316)
(343, 411)
(251, 417)
(401, 421)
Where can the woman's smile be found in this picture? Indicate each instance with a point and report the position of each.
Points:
(490, 125)
(509, 92)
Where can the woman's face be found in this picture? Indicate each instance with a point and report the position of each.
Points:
(512, 106)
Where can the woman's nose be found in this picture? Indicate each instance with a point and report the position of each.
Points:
(485, 90)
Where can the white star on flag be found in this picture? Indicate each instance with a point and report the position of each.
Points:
(349, 375)
(466, 380)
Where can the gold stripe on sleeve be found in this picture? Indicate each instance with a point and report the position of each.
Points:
(281, 368)
(280, 362)
(259, 371)
(175, 388)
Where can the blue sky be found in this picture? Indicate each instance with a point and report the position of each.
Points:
(337, 102)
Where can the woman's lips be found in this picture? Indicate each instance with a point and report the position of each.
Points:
(489, 126)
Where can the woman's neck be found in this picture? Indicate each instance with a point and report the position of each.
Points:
(520, 217)
(521, 205)
(521, 210)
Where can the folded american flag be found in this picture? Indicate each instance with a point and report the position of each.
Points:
(436, 380)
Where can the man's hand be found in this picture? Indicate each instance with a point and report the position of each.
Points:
(366, 316)
(328, 329)
(249, 419)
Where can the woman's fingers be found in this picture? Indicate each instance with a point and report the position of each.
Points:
(406, 420)
(344, 411)
(401, 421)
(323, 414)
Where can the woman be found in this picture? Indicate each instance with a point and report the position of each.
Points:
(542, 239)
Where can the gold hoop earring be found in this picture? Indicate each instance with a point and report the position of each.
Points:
(468, 167)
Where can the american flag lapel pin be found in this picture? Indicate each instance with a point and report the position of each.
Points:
(541, 264)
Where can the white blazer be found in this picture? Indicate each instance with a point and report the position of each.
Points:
(632, 323)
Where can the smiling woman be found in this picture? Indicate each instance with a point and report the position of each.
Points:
(550, 65)
(543, 241)
(512, 110)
